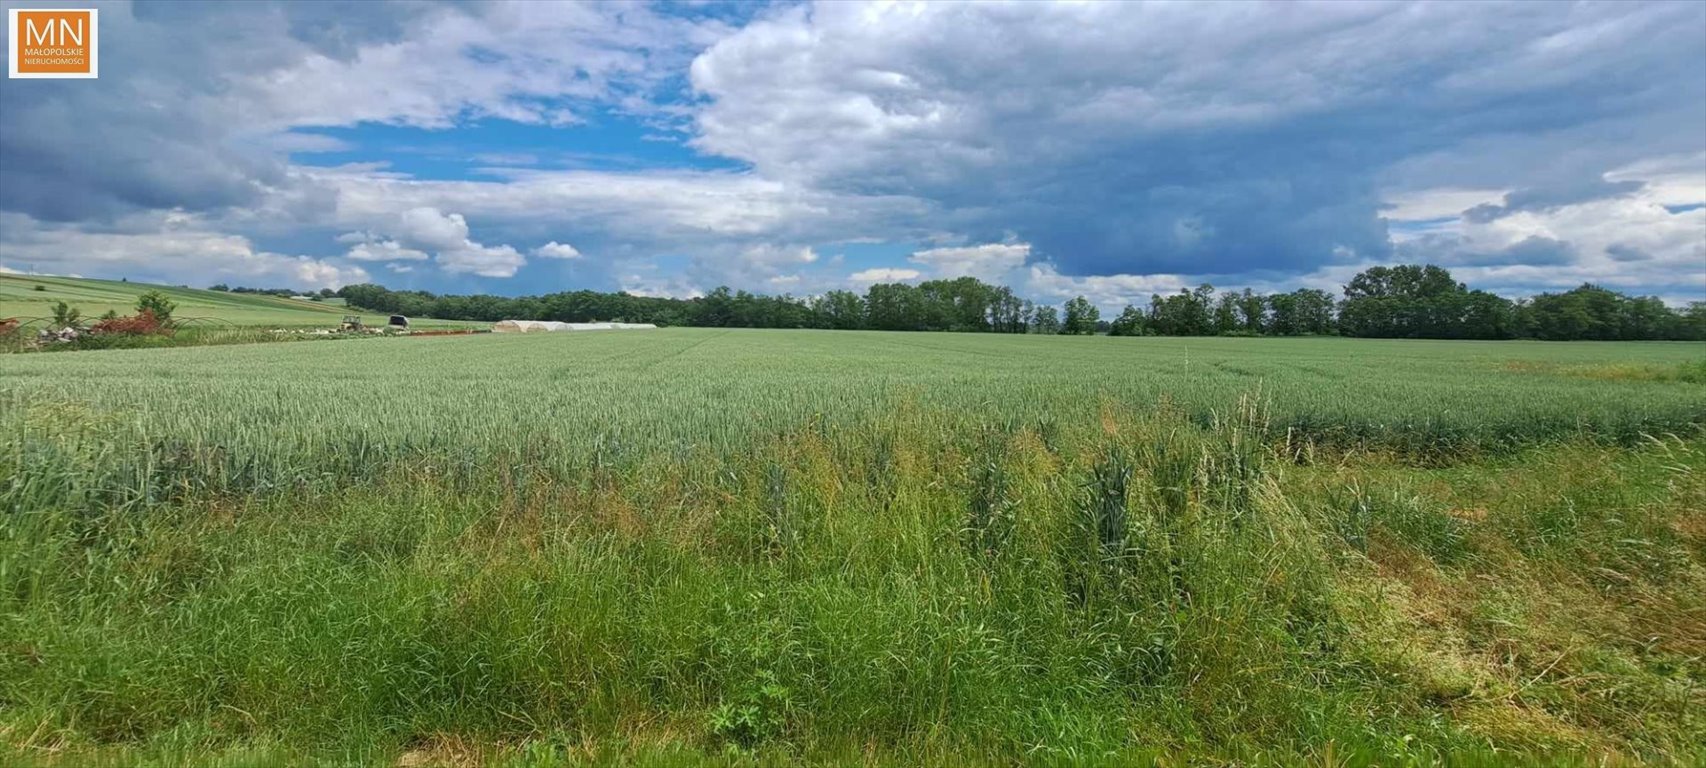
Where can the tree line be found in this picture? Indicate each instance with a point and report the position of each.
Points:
(325, 293)
(1408, 301)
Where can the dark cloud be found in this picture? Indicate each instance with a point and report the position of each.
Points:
(153, 131)
(1626, 253)
(1485, 212)
(69, 158)
(193, 98)
(1533, 250)
(1552, 198)
(1455, 251)
(1234, 142)
(339, 30)
(1194, 138)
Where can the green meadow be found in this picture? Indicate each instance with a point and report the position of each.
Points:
(20, 297)
(776, 547)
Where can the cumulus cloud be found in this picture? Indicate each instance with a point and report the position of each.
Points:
(497, 261)
(1669, 180)
(407, 236)
(426, 227)
(761, 266)
(196, 105)
(526, 62)
(383, 250)
(237, 97)
(556, 250)
(1637, 241)
(1102, 148)
(990, 262)
(172, 249)
(1430, 204)
(652, 285)
(884, 275)
(1551, 198)
(774, 256)
(1206, 138)
(1107, 292)
(668, 209)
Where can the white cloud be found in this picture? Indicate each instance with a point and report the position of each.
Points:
(556, 250)
(1108, 292)
(653, 286)
(507, 159)
(291, 141)
(990, 262)
(883, 275)
(167, 248)
(1428, 204)
(764, 266)
(515, 61)
(1630, 242)
(495, 261)
(1248, 141)
(901, 87)
(777, 255)
(1167, 137)
(426, 227)
(1669, 180)
(247, 83)
(660, 210)
(383, 250)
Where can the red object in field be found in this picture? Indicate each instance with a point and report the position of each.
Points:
(140, 324)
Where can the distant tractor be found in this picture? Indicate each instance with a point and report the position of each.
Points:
(398, 323)
(351, 323)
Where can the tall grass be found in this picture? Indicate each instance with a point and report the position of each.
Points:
(1097, 580)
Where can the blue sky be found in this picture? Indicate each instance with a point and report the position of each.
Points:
(1109, 150)
(602, 140)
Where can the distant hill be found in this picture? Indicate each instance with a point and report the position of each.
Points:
(20, 298)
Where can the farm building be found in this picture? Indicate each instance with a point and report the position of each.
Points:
(538, 326)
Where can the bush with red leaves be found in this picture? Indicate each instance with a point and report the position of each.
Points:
(140, 324)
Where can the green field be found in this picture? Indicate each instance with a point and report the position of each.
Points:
(692, 545)
(19, 298)
(478, 397)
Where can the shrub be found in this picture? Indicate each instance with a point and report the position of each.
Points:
(67, 316)
(156, 304)
(143, 323)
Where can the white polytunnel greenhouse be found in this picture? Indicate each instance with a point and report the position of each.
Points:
(539, 326)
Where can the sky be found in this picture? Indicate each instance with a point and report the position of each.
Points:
(1111, 150)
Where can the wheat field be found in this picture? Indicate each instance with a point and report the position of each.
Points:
(760, 547)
